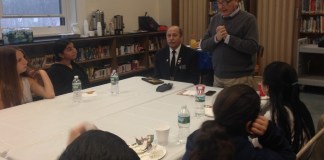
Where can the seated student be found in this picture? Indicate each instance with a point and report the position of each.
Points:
(63, 71)
(16, 86)
(176, 61)
(280, 83)
(91, 144)
(236, 111)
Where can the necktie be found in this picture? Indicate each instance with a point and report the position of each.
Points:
(172, 63)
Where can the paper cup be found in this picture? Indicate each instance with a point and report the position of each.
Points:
(162, 134)
(91, 33)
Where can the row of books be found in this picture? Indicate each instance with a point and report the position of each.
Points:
(312, 6)
(104, 71)
(84, 54)
(213, 8)
(90, 53)
(42, 61)
(312, 24)
(157, 43)
(129, 49)
(98, 72)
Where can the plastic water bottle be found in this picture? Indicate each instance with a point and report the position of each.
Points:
(114, 83)
(76, 88)
(200, 101)
(184, 124)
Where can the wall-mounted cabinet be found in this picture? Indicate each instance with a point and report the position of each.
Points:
(128, 53)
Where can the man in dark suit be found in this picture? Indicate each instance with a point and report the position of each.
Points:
(176, 61)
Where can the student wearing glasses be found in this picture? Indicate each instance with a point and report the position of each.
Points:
(232, 38)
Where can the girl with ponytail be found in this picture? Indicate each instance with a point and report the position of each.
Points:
(280, 83)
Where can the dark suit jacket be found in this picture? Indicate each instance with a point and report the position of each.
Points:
(186, 69)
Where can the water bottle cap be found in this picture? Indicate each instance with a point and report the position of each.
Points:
(76, 76)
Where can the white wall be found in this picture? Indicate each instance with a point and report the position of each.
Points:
(165, 12)
(160, 10)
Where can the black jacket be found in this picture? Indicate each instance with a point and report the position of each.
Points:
(186, 68)
(275, 146)
(62, 77)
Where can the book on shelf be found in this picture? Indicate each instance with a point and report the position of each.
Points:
(151, 60)
(213, 8)
(42, 61)
(89, 53)
(98, 72)
(312, 24)
(312, 6)
(242, 6)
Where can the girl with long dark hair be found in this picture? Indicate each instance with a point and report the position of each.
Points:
(236, 111)
(280, 83)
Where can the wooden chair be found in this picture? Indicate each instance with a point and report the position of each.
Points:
(312, 146)
(258, 60)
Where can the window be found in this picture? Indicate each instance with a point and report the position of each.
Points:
(45, 17)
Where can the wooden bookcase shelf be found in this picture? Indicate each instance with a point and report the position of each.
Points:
(129, 54)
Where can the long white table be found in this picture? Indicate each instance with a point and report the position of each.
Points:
(39, 130)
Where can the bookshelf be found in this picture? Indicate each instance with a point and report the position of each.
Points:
(310, 57)
(129, 54)
(311, 20)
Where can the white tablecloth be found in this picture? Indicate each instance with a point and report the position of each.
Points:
(39, 130)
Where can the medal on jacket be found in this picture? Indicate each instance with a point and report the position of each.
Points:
(179, 61)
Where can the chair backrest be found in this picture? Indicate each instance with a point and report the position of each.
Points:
(307, 149)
